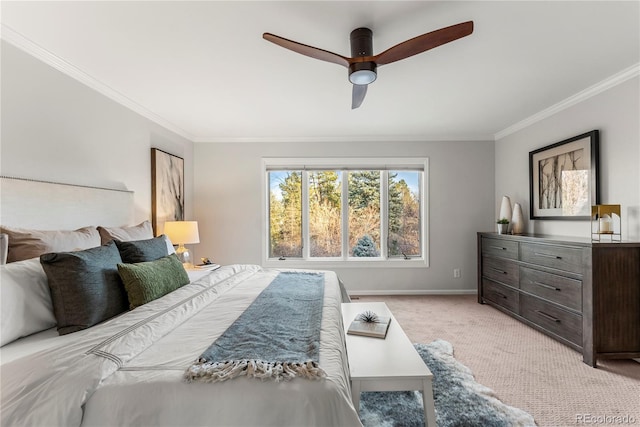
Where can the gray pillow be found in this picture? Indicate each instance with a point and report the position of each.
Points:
(146, 281)
(142, 250)
(85, 286)
(135, 232)
(27, 243)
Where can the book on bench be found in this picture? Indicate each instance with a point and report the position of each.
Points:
(377, 329)
(208, 267)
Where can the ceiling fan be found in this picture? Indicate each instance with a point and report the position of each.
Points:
(363, 64)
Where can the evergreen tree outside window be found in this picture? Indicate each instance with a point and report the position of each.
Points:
(285, 214)
(325, 205)
(364, 211)
(365, 247)
(404, 214)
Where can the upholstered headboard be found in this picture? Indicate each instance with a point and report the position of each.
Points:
(45, 205)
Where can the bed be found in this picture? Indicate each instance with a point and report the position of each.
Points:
(130, 369)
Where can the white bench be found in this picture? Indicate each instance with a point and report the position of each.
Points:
(390, 364)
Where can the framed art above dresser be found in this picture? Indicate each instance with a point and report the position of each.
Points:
(584, 294)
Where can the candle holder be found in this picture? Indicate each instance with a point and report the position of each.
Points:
(606, 221)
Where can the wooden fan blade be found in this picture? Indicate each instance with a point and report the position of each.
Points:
(357, 95)
(313, 52)
(424, 42)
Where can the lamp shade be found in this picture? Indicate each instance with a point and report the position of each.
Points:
(182, 232)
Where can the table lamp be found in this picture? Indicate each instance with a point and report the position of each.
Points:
(183, 233)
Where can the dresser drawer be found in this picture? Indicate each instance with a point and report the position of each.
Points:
(501, 295)
(559, 289)
(552, 318)
(501, 270)
(560, 257)
(499, 247)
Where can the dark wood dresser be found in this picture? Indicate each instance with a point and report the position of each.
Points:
(584, 294)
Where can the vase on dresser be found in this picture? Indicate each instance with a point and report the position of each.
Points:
(517, 220)
(505, 212)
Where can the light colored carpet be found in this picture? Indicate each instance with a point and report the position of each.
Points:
(524, 367)
(459, 400)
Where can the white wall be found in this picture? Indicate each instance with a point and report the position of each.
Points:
(616, 113)
(228, 196)
(57, 129)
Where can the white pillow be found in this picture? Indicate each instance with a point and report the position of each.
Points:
(25, 300)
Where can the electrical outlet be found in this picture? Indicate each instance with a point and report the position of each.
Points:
(457, 273)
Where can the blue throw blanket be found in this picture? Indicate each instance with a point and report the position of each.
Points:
(278, 335)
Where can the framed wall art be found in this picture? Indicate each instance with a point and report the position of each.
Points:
(563, 178)
(167, 189)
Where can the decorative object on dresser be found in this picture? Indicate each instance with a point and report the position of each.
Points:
(563, 178)
(167, 189)
(584, 294)
(606, 221)
(183, 233)
(503, 225)
(505, 212)
(517, 220)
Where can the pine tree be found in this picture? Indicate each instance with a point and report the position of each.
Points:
(287, 241)
(365, 247)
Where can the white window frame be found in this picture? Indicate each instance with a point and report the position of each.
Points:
(346, 164)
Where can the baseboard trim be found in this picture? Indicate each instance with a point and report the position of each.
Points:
(414, 292)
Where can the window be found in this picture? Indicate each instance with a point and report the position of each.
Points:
(345, 210)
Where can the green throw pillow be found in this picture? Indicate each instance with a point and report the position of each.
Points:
(146, 281)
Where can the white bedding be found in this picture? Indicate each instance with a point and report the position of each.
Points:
(50, 338)
(129, 370)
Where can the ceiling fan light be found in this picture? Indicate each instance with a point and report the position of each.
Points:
(362, 77)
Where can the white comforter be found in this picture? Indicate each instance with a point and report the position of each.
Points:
(129, 370)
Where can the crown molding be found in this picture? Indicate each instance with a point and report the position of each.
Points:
(341, 139)
(608, 83)
(18, 40)
(37, 51)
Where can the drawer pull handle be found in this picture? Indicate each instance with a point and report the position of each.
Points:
(498, 270)
(500, 294)
(499, 248)
(547, 255)
(544, 285)
(548, 316)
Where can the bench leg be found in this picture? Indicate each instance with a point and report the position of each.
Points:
(355, 395)
(427, 400)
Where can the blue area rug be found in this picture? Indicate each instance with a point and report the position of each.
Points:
(459, 400)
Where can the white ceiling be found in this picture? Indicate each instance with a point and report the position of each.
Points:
(202, 68)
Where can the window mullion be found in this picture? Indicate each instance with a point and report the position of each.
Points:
(305, 216)
(384, 213)
(345, 214)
